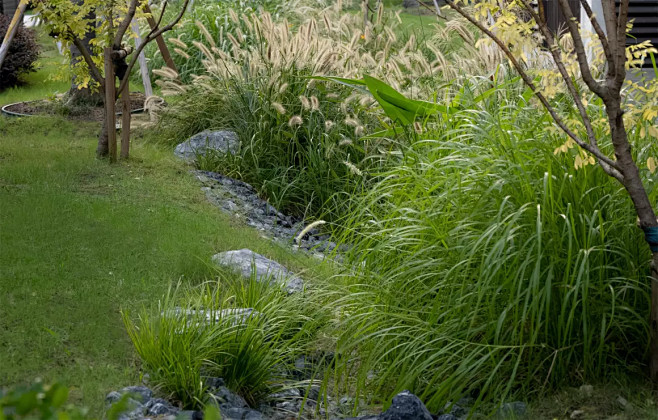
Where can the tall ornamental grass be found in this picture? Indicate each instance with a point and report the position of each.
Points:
(490, 267)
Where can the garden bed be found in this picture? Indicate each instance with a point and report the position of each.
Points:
(76, 113)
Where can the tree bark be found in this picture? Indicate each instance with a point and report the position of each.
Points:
(125, 121)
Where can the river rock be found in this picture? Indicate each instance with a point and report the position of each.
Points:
(199, 144)
(246, 262)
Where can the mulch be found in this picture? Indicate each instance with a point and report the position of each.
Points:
(56, 107)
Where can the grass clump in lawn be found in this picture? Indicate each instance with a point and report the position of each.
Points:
(247, 332)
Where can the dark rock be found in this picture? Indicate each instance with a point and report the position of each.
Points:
(406, 406)
(159, 407)
(227, 399)
(447, 417)
(112, 397)
(214, 383)
(247, 261)
(190, 415)
(455, 409)
(512, 410)
(140, 393)
(234, 413)
(199, 144)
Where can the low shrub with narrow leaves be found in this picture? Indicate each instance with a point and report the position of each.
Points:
(22, 56)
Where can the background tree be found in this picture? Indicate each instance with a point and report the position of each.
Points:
(591, 63)
(106, 57)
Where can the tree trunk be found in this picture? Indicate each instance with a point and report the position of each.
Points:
(110, 147)
(647, 218)
(125, 121)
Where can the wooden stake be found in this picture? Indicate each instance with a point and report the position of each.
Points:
(161, 44)
(110, 99)
(125, 121)
(11, 30)
(143, 68)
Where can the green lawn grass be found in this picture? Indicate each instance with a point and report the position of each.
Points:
(81, 239)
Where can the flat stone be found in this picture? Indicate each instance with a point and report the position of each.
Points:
(199, 144)
(205, 317)
(247, 262)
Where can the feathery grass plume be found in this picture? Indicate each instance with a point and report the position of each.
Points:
(307, 229)
(328, 125)
(234, 41)
(353, 169)
(283, 88)
(352, 122)
(279, 108)
(178, 43)
(205, 33)
(358, 131)
(345, 142)
(418, 128)
(315, 103)
(182, 53)
(306, 104)
(201, 47)
(166, 72)
(234, 16)
(332, 95)
(295, 121)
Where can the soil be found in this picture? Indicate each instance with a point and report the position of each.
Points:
(76, 113)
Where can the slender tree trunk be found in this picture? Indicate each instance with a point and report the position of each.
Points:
(647, 218)
(125, 121)
(110, 105)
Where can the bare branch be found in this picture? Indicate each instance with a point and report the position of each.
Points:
(599, 31)
(95, 73)
(150, 37)
(611, 166)
(581, 55)
(125, 24)
(622, 20)
(162, 12)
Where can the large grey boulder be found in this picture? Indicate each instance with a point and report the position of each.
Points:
(406, 406)
(199, 144)
(247, 262)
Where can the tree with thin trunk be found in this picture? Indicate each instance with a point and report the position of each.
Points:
(591, 63)
(106, 57)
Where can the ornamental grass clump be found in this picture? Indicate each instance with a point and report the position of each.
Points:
(491, 267)
(248, 332)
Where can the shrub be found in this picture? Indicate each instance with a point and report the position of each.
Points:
(22, 55)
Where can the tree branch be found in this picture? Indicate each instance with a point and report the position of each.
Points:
(125, 24)
(581, 55)
(95, 73)
(622, 20)
(150, 37)
(608, 165)
(599, 31)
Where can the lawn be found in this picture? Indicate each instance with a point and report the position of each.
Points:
(81, 239)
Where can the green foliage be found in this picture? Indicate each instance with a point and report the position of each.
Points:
(520, 274)
(22, 55)
(38, 401)
(180, 348)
